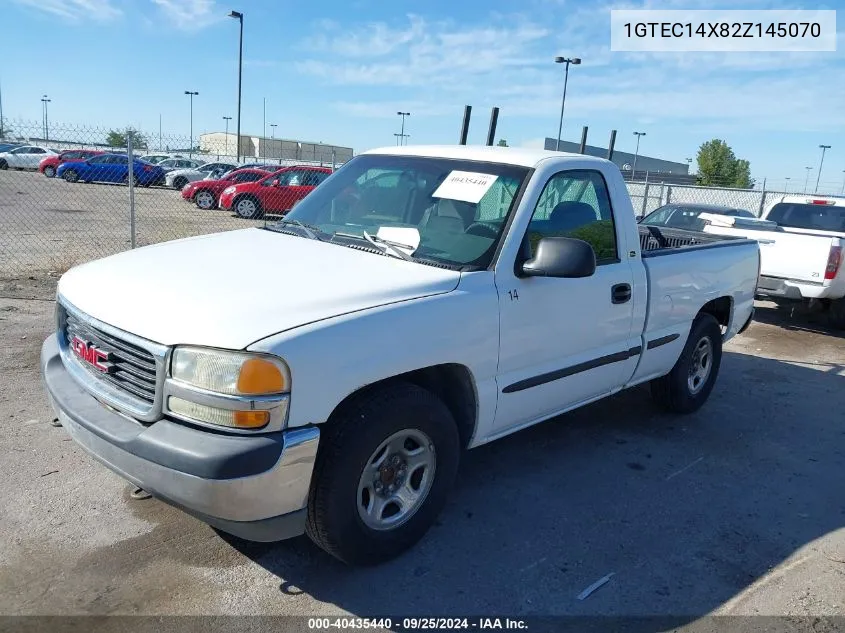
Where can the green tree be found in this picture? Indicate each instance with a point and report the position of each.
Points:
(718, 166)
(120, 138)
(502, 143)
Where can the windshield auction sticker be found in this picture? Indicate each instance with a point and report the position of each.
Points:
(467, 186)
(723, 31)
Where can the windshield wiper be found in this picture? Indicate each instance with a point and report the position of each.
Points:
(307, 228)
(389, 246)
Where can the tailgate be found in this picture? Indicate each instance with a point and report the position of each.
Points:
(786, 255)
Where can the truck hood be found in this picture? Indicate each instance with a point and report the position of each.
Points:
(231, 289)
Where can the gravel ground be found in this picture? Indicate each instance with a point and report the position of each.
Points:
(49, 224)
(736, 509)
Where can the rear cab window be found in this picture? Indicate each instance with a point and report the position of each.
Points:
(819, 217)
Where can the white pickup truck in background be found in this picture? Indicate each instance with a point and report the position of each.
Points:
(802, 245)
(421, 301)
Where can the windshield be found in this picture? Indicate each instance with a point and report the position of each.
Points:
(458, 208)
(818, 217)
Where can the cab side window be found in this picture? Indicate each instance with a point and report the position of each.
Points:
(576, 204)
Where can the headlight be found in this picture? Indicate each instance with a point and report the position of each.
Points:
(229, 190)
(230, 373)
(239, 390)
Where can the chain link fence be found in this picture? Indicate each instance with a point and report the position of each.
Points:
(71, 194)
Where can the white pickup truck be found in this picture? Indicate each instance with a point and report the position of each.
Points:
(324, 373)
(802, 247)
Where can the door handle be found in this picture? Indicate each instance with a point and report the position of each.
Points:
(620, 293)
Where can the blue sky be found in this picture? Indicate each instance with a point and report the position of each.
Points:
(337, 72)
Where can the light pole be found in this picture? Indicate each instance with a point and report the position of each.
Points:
(401, 137)
(564, 60)
(240, 18)
(636, 153)
(843, 183)
(264, 132)
(191, 140)
(45, 101)
(786, 186)
(807, 179)
(227, 119)
(273, 136)
(821, 162)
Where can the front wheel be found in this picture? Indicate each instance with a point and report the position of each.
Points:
(180, 182)
(688, 385)
(3, 164)
(50, 172)
(247, 208)
(386, 464)
(71, 175)
(205, 200)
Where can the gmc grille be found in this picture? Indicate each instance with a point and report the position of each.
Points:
(131, 368)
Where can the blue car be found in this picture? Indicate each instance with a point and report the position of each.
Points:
(111, 168)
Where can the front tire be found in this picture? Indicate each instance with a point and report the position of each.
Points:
(179, 182)
(50, 172)
(247, 208)
(205, 200)
(70, 175)
(686, 388)
(386, 464)
(3, 164)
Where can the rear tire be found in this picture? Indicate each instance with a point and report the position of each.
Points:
(247, 207)
(134, 180)
(3, 164)
(688, 385)
(836, 314)
(50, 172)
(70, 175)
(387, 461)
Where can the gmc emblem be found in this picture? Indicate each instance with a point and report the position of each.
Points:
(90, 354)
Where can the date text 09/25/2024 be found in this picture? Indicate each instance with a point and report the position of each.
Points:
(415, 624)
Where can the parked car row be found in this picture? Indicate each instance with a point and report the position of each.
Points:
(252, 192)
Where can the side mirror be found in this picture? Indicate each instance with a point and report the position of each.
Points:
(561, 257)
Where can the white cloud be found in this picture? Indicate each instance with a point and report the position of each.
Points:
(507, 61)
(191, 15)
(75, 10)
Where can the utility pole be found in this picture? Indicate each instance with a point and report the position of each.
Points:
(563, 60)
(191, 141)
(807, 179)
(821, 162)
(639, 135)
(401, 135)
(45, 101)
(240, 18)
(227, 119)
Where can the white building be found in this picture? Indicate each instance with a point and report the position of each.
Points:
(260, 148)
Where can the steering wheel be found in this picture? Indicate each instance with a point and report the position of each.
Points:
(482, 230)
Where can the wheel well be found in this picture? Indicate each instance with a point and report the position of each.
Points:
(720, 308)
(451, 382)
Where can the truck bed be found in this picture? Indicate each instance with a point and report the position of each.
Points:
(656, 241)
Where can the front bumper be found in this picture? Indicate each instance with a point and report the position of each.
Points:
(254, 487)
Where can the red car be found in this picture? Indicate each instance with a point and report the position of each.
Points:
(205, 193)
(276, 194)
(49, 165)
